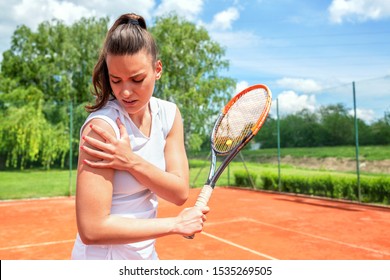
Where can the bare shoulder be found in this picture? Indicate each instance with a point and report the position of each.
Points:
(87, 131)
(177, 127)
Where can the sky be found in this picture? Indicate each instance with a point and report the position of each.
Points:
(308, 52)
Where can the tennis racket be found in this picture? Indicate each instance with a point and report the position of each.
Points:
(240, 120)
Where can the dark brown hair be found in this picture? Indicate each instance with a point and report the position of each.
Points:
(127, 36)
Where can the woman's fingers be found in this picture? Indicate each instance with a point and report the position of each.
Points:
(97, 144)
(109, 151)
(122, 128)
(104, 134)
(96, 153)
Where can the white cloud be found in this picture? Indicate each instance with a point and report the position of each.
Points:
(70, 11)
(290, 102)
(302, 85)
(47, 9)
(224, 20)
(360, 10)
(241, 86)
(189, 9)
(32, 13)
(367, 115)
(114, 9)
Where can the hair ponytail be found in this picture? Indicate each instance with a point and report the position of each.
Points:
(127, 36)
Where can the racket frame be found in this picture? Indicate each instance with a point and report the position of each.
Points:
(208, 188)
(214, 175)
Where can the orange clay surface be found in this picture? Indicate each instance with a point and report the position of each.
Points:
(242, 224)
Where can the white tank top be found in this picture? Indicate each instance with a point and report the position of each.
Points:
(130, 198)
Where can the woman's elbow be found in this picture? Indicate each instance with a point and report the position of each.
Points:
(90, 234)
(89, 237)
(181, 197)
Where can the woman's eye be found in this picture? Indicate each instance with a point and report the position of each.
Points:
(115, 81)
(138, 81)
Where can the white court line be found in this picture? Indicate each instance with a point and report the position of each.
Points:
(207, 234)
(226, 241)
(324, 238)
(37, 244)
(238, 246)
(18, 202)
(304, 233)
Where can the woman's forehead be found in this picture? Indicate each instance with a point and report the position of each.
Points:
(136, 62)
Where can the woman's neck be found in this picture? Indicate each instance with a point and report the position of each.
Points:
(143, 120)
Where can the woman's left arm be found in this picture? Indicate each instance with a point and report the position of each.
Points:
(171, 185)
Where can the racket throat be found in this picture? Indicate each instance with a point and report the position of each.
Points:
(211, 178)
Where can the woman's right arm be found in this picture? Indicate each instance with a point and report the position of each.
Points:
(93, 204)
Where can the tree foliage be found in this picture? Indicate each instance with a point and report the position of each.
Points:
(330, 125)
(57, 59)
(41, 73)
(45, 70)
(191, 78)
(26, 137)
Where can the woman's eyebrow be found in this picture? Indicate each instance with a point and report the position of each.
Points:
(133, 76)
(113, 76)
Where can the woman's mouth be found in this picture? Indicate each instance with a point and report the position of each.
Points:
(129, 102)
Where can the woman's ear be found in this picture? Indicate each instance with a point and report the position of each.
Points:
(159, 69)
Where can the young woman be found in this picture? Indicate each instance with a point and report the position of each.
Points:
(131, 152)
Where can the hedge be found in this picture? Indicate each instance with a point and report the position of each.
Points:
(242, 178)
(373, 190)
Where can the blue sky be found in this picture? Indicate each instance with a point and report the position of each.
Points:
(307, 51)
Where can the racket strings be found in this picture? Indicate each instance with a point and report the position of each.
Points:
(240, 120)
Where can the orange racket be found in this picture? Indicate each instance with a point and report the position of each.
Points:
(240, 120)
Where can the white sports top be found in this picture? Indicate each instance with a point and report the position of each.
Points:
(130, 198)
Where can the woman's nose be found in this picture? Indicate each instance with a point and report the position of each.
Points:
(125, 93)
(126, 90)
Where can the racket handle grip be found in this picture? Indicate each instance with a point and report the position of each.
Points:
(202, 200)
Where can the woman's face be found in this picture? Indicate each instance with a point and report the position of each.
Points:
(132, 79)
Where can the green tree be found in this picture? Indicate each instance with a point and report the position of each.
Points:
(57, 59)
(338, 125)
(57, 62)
(26, 136)
(267, 136)
(364, 133)
(380, 131)
(192, 62)
(53, 65)
(301, 129)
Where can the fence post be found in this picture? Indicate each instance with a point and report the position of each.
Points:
(356, 141)
(70, 146)
(278, 131)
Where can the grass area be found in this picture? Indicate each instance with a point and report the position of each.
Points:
(38, 183)
(35, 183)
(365, 152)
(198, 175)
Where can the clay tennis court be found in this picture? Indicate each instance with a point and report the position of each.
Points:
(242, 224)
